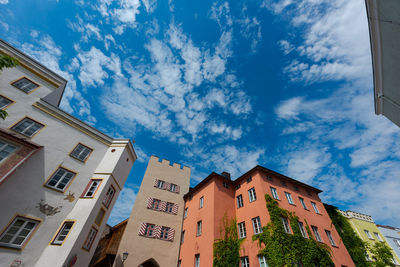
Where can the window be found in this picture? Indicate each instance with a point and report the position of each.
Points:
(286, 226)
(156, 204)
(296, 188)
(6, 149)
(180, 263)
(244, 262)
(248, 180)
(269, 178)
(160, 184)
(25, 85)
(302, 230)
(316, 233)
(91, 188)
(225, 184)
(89, 239)
(329, 235)
(186, 213)
(100, 216)
(169, 207)
(183, 237)
(164, 233)
(242, 230)
(256, 225)
(172, 187)
(274, 193)
(283, 183)
(197, 260)
(149, 230)
(315, 207)
(239, 201)
(303, 203)
(262, 261)
(378, 236)
(397, 242)
(237, 186)
(60, 179)
(201, 202)
(109, 196)
(252, 194)
(62, 233)
(289, 198)
(27, 127)
(81, 152)
(199, 224)
(4, 102)
(368, 234)
(18, 232)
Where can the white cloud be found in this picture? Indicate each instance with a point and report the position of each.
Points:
(3, 2)
(123, 206)
(285, 46)
(289, 109)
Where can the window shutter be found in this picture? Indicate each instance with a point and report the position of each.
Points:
(162, 206)
(142, 228)
(166, 185)
(175, 209)
(171, 234)
(177, 188)
(149, 202)
(156, 183)
(157, 231)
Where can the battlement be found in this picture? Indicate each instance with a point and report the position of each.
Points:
(164, 162)
(357, 215)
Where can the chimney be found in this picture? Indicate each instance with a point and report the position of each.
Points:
(227, 175)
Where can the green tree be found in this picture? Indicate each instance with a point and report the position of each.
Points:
(227, 249)
(382, 255)
(6, 62)
(282, 249)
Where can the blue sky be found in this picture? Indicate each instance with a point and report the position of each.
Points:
(224, 86)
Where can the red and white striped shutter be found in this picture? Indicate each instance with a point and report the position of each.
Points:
(156, 183)
(166, 185)
(142, 228)
(149, 202)
(177, 188)
(175, 209)
(171, 234)
(157, 231)
(162, 206)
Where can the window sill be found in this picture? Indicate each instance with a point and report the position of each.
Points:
(293, 204)
(335, 246)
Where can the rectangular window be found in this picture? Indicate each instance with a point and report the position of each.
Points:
(225, 184)
(286, 226)
(4, 102)
(256, 225)
(237, 186)
(239, 201)
(172, 187)
(274, 193)
(252, 194)
(169, 207)
(316, 233)
(289, 198)
(6, 149)
(302, 230)
(90, 239)
(149, 230)
(183, 237)
(283, 183)
(25, 85)
(186, 213)
(329, 235)
(262, 261)
(81, 152)
(91, 188)
(397, 242)
(199, 225)
(368, 234)
(27, 127)
(109, 196)
(242, 230)
(156, 204)
(180, 263)
(160, 184)
(244, 262)
(315, 207)
(303, 203)
(197, 260)
(378, 236)
(62, 233)
(164, 233)
(18, 232)
(60, 179)
(248, 180)
(201, 202)
(100, 216)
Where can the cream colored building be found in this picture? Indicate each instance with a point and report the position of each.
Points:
(153, 233)
(59, 177)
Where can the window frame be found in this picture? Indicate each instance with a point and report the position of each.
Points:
(378, 237)
(302, 229)
(46, 184)
(397, 242)
(197, 260)
(199, 228)
(160, 184)
(164, 230)
(303, 203)
(239, 201)
(242, 229)
(330, 238)
(89, 186)
(274, 193)
(263, 261)
(90, 238)
(201, 202)
(289, 198)
(102, 216)
(316, 233)
(26, 78)
(183, 237)
(286, 225)
(368, 234)
(252, 194)
(169, 206)
(77, 157)
(149, 231)
(314, 205)
(27, 237)
(185, 213)
(60, 229)
(9, 103)
(244, 261)
(15, 125)
(256, 222)
(6, 144)
(109, 199)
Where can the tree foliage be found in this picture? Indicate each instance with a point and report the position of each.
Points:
(6, 62)
(227, 249)
(382, 255)
(282, 249)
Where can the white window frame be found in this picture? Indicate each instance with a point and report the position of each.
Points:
(330, 238)
(18, 231)
(32, 123)
(6, 102)
(303, 203)
(257, 228)
(199, 228)
(316, 233)
(63, 233)
(172, 187)
(252, 194)
(197, 260)
(286, 225)
(239, 201)
(6, 148)
(201, 202)
(71, 175)
(242, 229)
(397, 242)
(378, 236)
(26, 87)
(160, 184)
(90, 239)
(262, 261)
(244, 261)
(368, 234)
(92, 188)
(302, 230)
(314, 205)
(274, 193)
(289, 198)
(81, 152)
(109, 196)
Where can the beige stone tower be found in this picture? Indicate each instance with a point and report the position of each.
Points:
(152, 235)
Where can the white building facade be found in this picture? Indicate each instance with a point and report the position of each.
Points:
(59, 177)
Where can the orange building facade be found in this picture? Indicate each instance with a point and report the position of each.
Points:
(243, 199)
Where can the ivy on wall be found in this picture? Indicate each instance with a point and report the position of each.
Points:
(283, 249)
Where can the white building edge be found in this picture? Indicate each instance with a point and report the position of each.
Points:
(59, 177)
